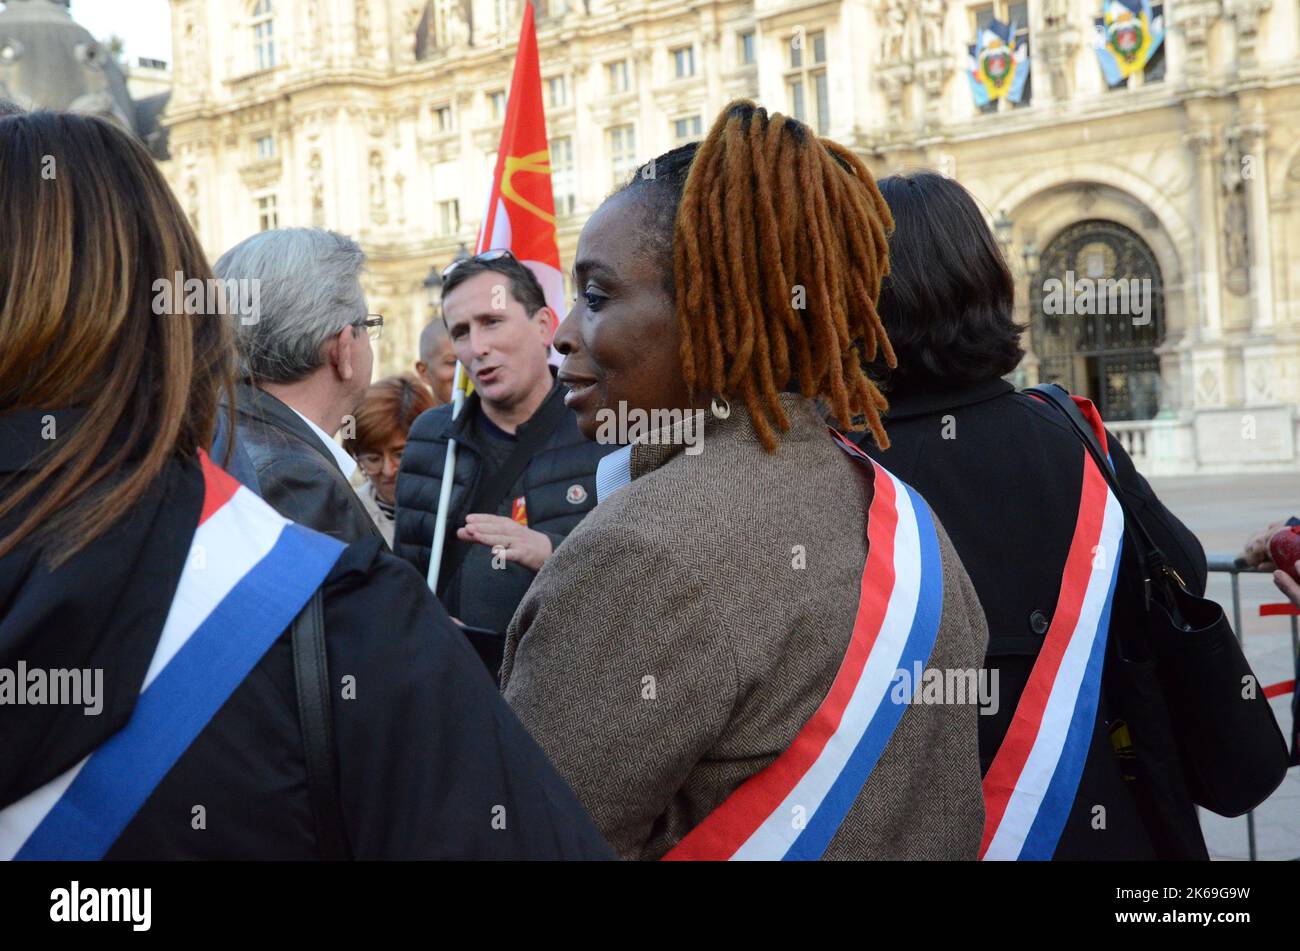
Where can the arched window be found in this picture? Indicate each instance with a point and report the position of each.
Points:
(1097, 304)
(263, 34)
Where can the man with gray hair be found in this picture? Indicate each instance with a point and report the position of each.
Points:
(306, 362)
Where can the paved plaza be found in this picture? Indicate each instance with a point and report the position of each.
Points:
(1222, 511)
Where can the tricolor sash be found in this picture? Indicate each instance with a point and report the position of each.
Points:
(793, 808)
(1031, 784)
(248, 573)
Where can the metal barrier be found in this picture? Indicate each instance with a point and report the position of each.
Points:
(1228, 564)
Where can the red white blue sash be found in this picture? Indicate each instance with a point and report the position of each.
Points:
(1031, 784)
(793, 808)
(248, 573)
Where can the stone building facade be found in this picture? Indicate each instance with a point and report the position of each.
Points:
(381, 118)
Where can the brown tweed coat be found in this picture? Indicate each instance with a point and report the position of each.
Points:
(672, 646)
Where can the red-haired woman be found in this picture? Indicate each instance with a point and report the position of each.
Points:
(383, 420)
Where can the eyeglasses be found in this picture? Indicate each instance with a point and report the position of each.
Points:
(374, 324)
(373, 462)
(495, 254)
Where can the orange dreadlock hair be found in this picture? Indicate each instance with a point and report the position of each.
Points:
(779, 248)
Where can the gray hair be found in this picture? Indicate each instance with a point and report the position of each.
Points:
(309, 282)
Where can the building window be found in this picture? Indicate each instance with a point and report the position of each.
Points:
(745, 47)
(1014, 13)
(557, 91)
(442, 118)
(268, 218)
(449, 217)
(564, 179)
(622, 152)
(806, 84)
(265, 148)
(263, 34)
(687, 129)
(1154, 70)
(684, 62)
(497, 105)
(619, 76)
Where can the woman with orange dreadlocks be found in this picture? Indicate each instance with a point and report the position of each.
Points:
(736, 653)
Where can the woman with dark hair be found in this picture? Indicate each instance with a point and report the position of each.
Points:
(383, 420)
(130, 559)
(1068, 772)
(710, 657)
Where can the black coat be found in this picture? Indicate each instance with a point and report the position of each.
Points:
(1003, 473)
(295, 472)
(427, 749)
(559, 484)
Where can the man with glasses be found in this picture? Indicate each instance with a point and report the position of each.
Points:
(306, 362)
(524, 477)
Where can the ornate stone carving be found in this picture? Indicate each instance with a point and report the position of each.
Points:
(933, 13)
(893, 80)
(312, 29)
(378, 200)
(1194, 19)
(317, 188)
(1247, 14)
(365, 44)
(410, 23)
(896, 41)
(1236, 217)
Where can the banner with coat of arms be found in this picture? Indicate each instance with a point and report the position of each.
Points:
(1128, 34)
(998, 68)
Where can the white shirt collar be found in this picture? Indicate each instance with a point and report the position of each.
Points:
(613, 472)
(346, 462)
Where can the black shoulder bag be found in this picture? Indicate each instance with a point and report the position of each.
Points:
(316, 720)
(1231, 750)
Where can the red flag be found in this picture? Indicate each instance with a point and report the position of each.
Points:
(520, 211)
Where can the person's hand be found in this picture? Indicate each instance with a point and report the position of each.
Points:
(1287, 585)
(518, 543)
(1256, 554)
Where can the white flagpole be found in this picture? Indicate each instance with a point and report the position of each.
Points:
(448, 477)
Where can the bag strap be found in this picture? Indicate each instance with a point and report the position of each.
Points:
(492, 490)
(311, 676)
(1151, 560)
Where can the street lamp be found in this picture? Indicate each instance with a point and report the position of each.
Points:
(433, 280)
(1030, 254)
(1002, 227)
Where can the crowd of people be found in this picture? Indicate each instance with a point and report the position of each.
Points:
(581, 648)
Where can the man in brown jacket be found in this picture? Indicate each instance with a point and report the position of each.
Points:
(687, 634)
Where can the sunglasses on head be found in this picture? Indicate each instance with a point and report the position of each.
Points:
(495, 254)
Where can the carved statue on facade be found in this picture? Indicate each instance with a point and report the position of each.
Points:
(378, 211)
(933, 13)
(317, 187)
(1236, 220)
(364, 45)
(895, 42)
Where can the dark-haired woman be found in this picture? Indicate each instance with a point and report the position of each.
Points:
(710, 658)
(1064, 767)
(129, 558)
